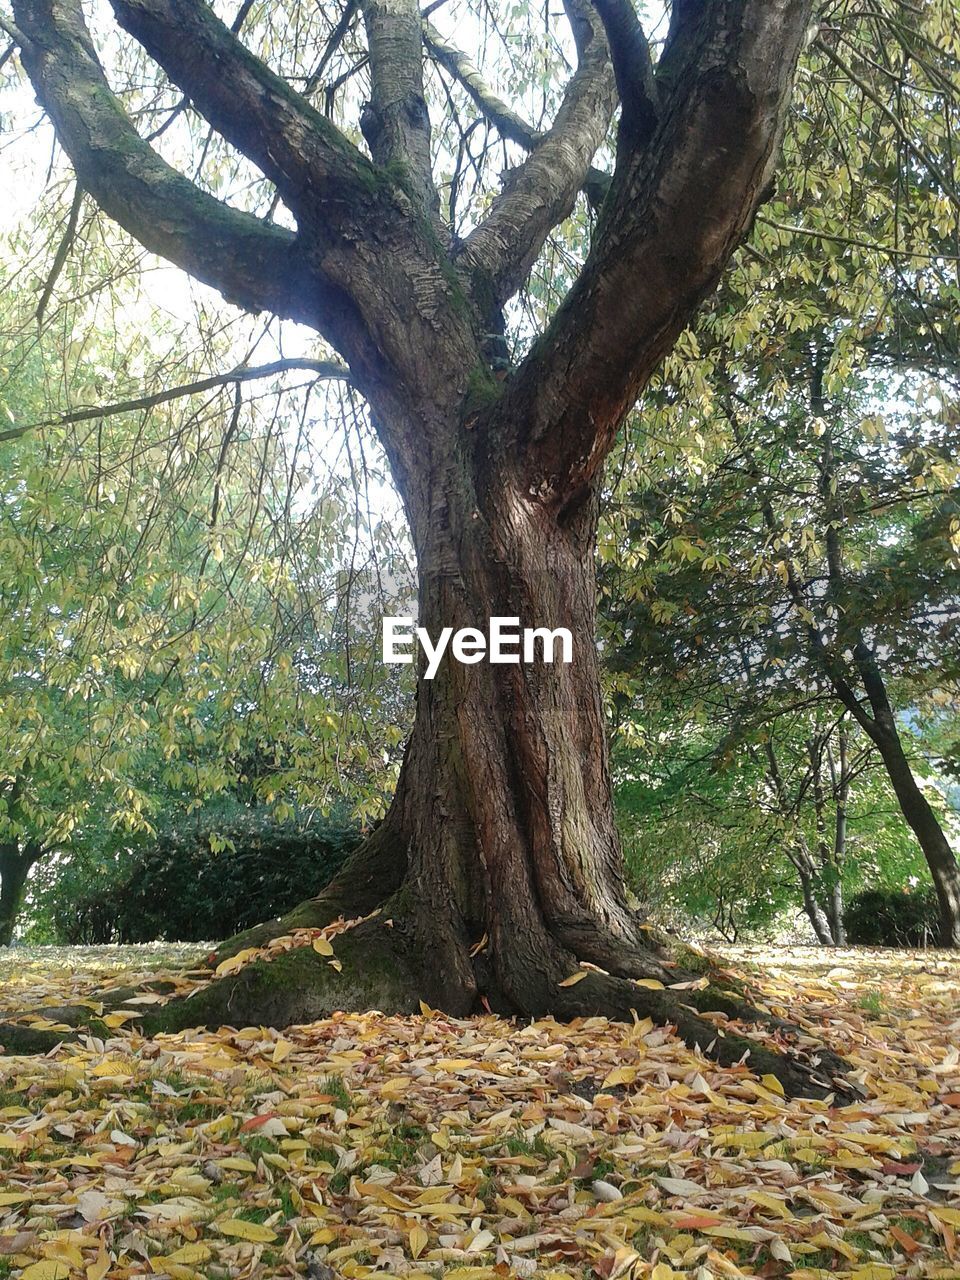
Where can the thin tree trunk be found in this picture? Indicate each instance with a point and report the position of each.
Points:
(924, 824)
(815, 913)
(14, 871)
(841, 798)
(921, 819)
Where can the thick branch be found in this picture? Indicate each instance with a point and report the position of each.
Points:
(257, 266)
(541, 192)
(632, 65)
(677, 208)
(510, 126)
(297, 147)
(395, 122)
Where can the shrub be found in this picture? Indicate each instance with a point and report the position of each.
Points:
(892, 918)
(202, 882)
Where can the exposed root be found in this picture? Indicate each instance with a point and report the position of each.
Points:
(301, 986)
(29, 1041)
(372, 873)
(801, 1072)
(386, 965)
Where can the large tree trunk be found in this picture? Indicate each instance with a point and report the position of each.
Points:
(498, 868)
(505, 802)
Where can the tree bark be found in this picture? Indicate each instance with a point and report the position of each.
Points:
(14, 871)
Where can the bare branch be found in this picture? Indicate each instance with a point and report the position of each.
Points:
(505, 120)
(63, 249)
(854, 242)
(465, 72)
(498, 254)
(328, 369)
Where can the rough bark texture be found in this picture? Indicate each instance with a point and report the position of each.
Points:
(15, 867)
(498, 864)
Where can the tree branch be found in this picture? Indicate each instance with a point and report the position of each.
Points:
(497, 256)
(254, 265)
(63, 251)
(632, 66)
(313, 165)
(510, 126)
(395, 122)
(244, 373)
(677, 208)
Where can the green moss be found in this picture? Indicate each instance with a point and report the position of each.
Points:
(15, 1039)
(483, 390)
(301, 986)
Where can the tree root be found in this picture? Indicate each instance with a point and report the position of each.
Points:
(383, 968)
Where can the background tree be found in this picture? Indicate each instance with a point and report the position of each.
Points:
(170, 610)
(790, 519)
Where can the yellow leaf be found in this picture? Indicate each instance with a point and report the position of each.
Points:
(233, 963)
(282, 1049)
(97, 1270)
(111, 1067)
(322, 947)
(650, 983)
(117, 1019)
(397, 1085)
(238, 1163)
(244, 1230)
(620, 1075)
(574, 979)
(13, 1197)
(189, 1254)
(10, 1142)
(426, 1010)
(418, 1241)
(326, 1235)
(46, 1270)
(336, 964)
(773, 1084)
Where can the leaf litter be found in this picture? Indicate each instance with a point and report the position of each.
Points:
(479, 1148)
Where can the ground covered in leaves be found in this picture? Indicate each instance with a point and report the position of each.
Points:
(429, 1147)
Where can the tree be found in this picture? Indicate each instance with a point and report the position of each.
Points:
(791, 511)
(813, 558)
(498, 861)
(163, 608)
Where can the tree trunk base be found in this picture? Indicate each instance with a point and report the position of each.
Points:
(388, 964)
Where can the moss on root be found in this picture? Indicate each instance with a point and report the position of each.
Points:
(302, 986)
(16, 1039)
